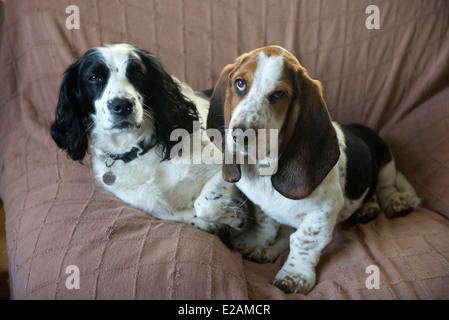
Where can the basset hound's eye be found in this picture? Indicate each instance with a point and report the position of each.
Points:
(240, 87)
(277, 96)
(95, 79)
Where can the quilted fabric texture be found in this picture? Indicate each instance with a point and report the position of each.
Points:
(394, 79)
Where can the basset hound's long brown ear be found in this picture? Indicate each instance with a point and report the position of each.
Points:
(310, 146)
(218, 118)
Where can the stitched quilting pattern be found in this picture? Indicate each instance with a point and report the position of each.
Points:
(393, 79)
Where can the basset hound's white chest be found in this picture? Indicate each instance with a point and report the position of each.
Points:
(260, 190)
(328, 199)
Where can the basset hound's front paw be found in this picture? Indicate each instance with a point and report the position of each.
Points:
(293, 282)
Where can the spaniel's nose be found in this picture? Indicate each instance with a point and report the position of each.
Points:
(120, 106)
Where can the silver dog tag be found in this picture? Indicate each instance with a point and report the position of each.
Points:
(109, 178)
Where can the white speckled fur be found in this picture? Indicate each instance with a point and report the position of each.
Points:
(306, 225)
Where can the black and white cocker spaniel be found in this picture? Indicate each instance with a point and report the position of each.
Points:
(118, 101)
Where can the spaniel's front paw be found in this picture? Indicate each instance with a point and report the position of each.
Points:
(261, 254)
(203, 225)
(222, 210)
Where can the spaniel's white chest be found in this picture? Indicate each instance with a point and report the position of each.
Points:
(152, 185)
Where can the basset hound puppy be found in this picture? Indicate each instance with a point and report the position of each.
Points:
(326, 172)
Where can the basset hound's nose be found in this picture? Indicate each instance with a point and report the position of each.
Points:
(120, 106)
(238, 132)
(243, 135)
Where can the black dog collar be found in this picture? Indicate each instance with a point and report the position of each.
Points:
(140, 150)
(109, 177)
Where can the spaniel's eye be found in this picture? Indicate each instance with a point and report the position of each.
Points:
(136, 74)
(276, 96)
(240, 87)
(94, 78)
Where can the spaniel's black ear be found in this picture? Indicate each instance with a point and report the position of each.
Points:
(218, 118)
(310, 148)
(69, 130)
(171, 108)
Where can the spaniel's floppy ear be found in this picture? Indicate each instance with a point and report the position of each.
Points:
(310, 148)
(69, 130)
(219, 117)
(170, 107)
